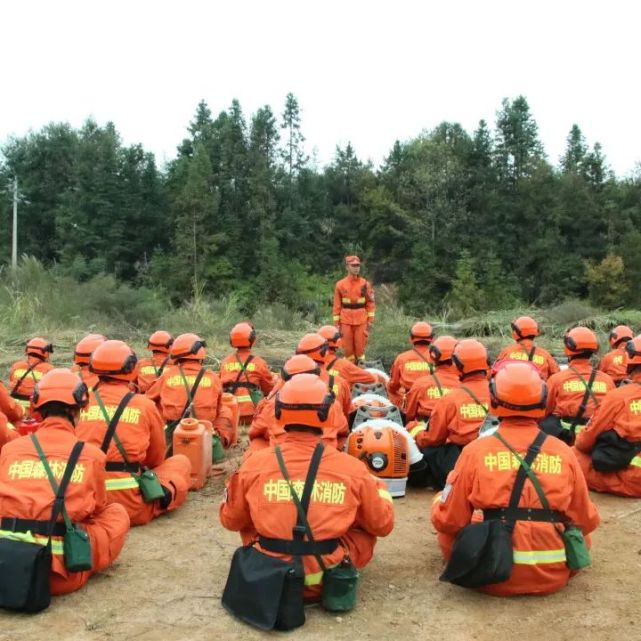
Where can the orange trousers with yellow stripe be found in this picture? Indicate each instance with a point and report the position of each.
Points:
(354, 340)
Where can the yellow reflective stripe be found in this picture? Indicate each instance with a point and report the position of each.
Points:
(56, 544)
(534, 557)
(371, 314)
(335, 318)
(125, 483)
(636, 461)
(415, 430)
(244, 398)
(22, 402)
(346, 300)
(437, 497)
(314, 579)
(360, 300)
(384, 494)
(11, 426)
(28, 537)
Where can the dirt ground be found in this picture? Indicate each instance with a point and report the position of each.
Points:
(167, 584)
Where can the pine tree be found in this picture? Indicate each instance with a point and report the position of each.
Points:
(575, 152)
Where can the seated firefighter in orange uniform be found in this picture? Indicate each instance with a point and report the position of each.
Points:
(25, 373)
(82, 356)
(347, 506)
(149, 369)
(343, 367)
(264, 432)
(614, 362)
(457, 417)
(129, 429)
(489, 476)
(608, 448)
(244, 374)
(524, 330)
(576, 392)
(411, 365)
(27, 496)
(187, 388)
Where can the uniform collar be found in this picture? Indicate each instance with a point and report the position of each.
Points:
(57, 423)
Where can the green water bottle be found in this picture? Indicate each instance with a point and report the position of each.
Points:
(218, 453)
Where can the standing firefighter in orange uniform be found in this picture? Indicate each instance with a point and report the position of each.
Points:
(457, 417)
(27, 495)
(129, 429)
(25, 374)
(244, 374)
(576, 392)
(411, 365)
(490, 477)
(346, 507)
(524, 330)
(187, 388)
(149, 369)
(343, 367)
(82, 357)
(614, 362)
(354, 309)
(609, 448)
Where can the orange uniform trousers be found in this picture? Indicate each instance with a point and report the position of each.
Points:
(354, 339)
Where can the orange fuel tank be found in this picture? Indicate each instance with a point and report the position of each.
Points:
(193, 438)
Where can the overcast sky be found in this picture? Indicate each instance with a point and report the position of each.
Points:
(365, 72)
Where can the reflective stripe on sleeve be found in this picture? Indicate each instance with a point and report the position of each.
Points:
(125, 483)
(314, 579)
(536, 557)
(384, 494)
(418, 428)
(636, 461)
(371, 314)
(347, 301)
(336, 318)
(245, 398)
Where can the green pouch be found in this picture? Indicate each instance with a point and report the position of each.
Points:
(150, 486)
(218, 452)
(256, 396)
(339, 588)
(576, 551)
(77, 550)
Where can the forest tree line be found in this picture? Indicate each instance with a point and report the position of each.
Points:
(451, 219)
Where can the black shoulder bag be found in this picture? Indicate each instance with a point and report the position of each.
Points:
(482, 553)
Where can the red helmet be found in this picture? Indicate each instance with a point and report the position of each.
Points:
(470, 356)
(299, 364)
(620, 334)
(633, 352)
(421, 332)
(160, 341)
(242, 335)
(518, 390)
(85, 347)
(188, 347)
(441, 349)
(332, 334)
(303, 400)
(39, 347)
(114, 359)
(524, 327)
(580, 341)
(62, 386)
(315, 346)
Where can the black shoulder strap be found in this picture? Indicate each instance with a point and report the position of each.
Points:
(27, 372)
(243, 368)
(586, 396)
(474, 397)
(192, 392)
(331, 364)
(113, 423)
(531, 353)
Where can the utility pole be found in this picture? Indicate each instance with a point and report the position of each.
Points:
(14, 239)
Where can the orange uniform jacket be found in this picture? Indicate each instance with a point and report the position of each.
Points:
(407, 367)
(258, 373)
(566, 390)
(620, 411)
(427, 390)
(347, 503)
(169, 393)
(25, 493)
(520, 351)
(149, 369)
(341, 390)
(141, 431)
(350, 372)
(6, 434)
(457, 417)
(88, 378)
(614, 364)
(483, 479)
(9, 406)
(18, 369)
(357, 292)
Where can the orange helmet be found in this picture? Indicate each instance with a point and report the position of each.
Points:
(518, 390)
(188, 346)
(62, 386)
(470, 357)
(441, 349)
(580, 341)
(299, 364)
(85, 347)
(421, 332)
(39, 347)
(114, 359)
(633, 352)
(315, 346)
(303, 400)
(242, 335)
(332, 334)
(160, 341)
(620, 334)
(524, 327)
